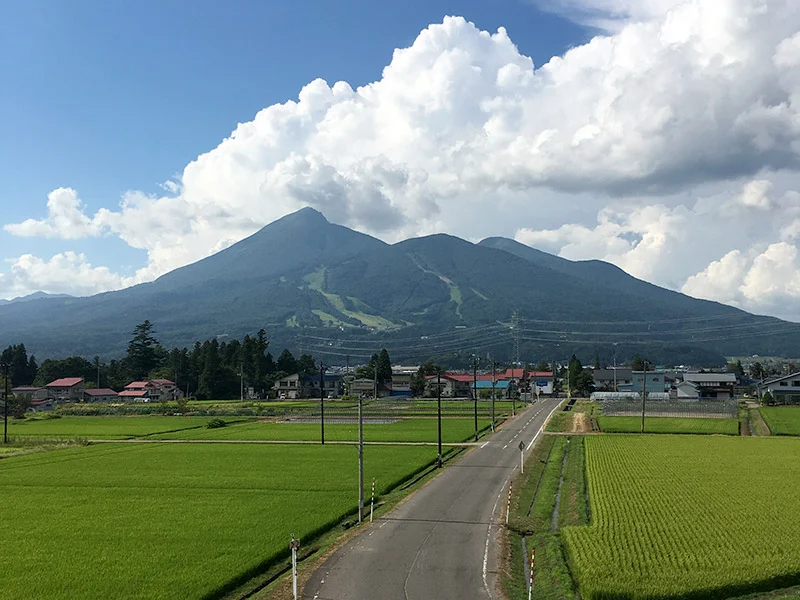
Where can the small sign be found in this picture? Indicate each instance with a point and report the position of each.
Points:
(522, 446)
(541, 383)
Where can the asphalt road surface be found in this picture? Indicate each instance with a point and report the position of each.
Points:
(442, 542)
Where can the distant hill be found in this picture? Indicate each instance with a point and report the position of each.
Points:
(323, 288)
(34, 296)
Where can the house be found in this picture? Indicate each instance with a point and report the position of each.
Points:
(67, 389)
(365, 388)
(157, 390)
(655, 382)
(687, 390)
(165, 388)
(711, 385)
(501, 387)
(454, 385)
(135, 395)
(297, 385)
(402, 377)
(609, 380)
(100, 395)
(517, 375)
(541, 382)
(41, 405)
(784, 390)
(289, 387)
(33, 393)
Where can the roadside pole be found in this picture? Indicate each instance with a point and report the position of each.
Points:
(530, 581)
(372, 501)
(508, 502)
(361, 460)
(521, 456)
(475, 392)
(493, 385)
(322, 403)
(294, 545)
(439, 411)
(644, 391)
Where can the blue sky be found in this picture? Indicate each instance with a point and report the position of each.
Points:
(603, 129)
(107, 97)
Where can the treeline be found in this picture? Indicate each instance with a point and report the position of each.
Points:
(208, 370)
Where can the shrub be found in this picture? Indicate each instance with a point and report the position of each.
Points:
(215, 423)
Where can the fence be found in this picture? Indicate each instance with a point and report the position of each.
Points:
(715, 409)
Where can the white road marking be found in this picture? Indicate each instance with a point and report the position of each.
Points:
(484, 444)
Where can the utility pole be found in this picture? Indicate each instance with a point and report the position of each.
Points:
(493, 385)
(322, 403)
(439, 410)
(241, 383)
(5, 404)
(644, 391)
(97, 365)
(475, 392)
(360, 458)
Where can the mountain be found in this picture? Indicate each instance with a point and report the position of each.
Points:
(319, 287)
(34, 296)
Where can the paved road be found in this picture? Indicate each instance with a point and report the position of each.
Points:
(442, 542)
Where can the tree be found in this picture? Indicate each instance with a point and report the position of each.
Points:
(737, 369)
(766, 398)
(287, 362)
(580, 381)
(384, 366)
(306, 364)
(419, 381)
(542, 366)
(143, 351)
(757, 371)
(596, 360)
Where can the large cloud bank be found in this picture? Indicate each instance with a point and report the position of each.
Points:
(669, 145)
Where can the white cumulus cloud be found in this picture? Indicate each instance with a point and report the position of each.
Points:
(67, 273)
(615, 138)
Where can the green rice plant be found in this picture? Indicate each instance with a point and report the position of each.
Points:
(782, 420)
(688, 517)
(691, 425)
(168, 521)
(405, 430)
(103, 427)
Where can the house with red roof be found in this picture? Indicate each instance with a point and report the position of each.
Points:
(66, 389)
(135, 395)
(154, 390)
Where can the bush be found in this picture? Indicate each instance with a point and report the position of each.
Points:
(215, 423)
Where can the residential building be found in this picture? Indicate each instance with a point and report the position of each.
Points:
(655, 382)
(289, 387)
(134, 395)
(784, 390)
(67, 389)
(42, 405)
(307, 386)
(33, 393)
(402, 377)
(541, 382)
(606, 380)
(100, 395)
(454, 385)
(157, 389)
(711, 385)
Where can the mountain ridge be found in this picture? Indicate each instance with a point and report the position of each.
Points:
(326, 288)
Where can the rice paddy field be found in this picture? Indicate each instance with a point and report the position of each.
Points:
(104, 427)
(404, 430)
(689, 425)
(782, 420)
(171, 520)
(687, 517)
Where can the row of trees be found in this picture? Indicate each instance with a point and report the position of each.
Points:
(209, 370)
